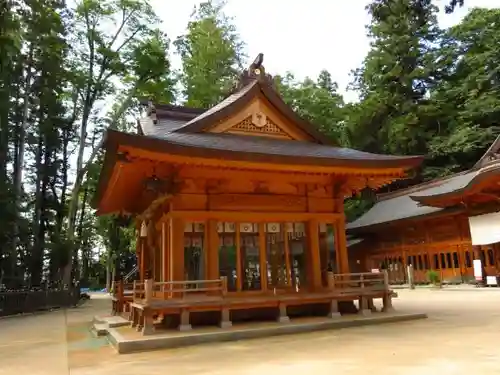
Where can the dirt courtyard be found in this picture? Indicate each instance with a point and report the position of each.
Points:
(460, 337)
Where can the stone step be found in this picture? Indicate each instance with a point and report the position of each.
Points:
(112, 321)
(99, 329)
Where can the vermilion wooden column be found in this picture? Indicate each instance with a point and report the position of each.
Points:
(141, 259)
(239, 271)
(165, 252)
(177, 248)
(263, 256)
(341, 246)
(212, 250)
(314, 256)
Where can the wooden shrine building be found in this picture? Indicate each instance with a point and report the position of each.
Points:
(440, 225)
(233, 204)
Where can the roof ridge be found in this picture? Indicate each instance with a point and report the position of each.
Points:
(419, 187)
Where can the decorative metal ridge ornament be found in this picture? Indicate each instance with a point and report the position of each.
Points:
(259, 119)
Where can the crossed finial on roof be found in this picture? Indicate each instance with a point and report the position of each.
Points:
(255, 71)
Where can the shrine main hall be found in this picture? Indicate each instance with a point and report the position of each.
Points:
(235, 207)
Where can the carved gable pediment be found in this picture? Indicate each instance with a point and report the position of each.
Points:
(260, 119)
(263, 126)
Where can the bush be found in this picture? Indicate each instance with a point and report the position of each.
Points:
(433, 277)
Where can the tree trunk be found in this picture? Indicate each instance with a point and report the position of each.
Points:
(38, 224)
(81, 171)
(19, 160)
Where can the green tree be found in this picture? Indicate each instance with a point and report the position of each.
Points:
(211, 53)
(453, 4)
(467, 97)
(134, 54)
(10, 50)
(395, 115)
(316, 101)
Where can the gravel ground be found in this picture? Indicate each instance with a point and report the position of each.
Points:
(460, 337)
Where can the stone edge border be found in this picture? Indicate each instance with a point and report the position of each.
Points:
(124, 346)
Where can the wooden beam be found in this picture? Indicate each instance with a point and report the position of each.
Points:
(258, 175)
(398, 171)
(249, 216)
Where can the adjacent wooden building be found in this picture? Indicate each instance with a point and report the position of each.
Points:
(233, 206)
(441, 225)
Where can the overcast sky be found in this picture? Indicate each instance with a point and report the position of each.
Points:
(300, 36)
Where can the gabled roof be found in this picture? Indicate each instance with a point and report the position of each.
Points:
(242, 98)
(253, 82)
(400, 205)
(467, 185)
(416, 201)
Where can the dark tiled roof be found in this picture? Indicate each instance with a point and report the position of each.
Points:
(265, 146)
(223, 104)
(162, 126)
(402, 206)
(457, 190)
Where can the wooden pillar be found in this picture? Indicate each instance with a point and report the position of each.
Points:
(165, 252)
(142, 258)
(212, 250)
(341, 246)
(263, 256)
(239, 271)
(314, 255)
(177, 248)
(286, 244)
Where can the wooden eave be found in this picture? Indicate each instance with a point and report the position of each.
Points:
(240, 100)
(451, 198)
(379, 227)
(114, 139)
(157, 149)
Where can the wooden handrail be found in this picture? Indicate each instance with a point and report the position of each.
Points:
(149, 289)
(365, 281)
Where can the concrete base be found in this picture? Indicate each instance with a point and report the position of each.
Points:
(334, 315)
(185, 327)
(174, 339)
(283, 319)
(226, 324)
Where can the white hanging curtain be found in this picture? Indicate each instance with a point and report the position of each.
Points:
(485, 229)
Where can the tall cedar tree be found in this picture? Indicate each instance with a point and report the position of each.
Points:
(394, 115)
(211, 53)
(467, 97)
(10, 49)
(316, 101)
